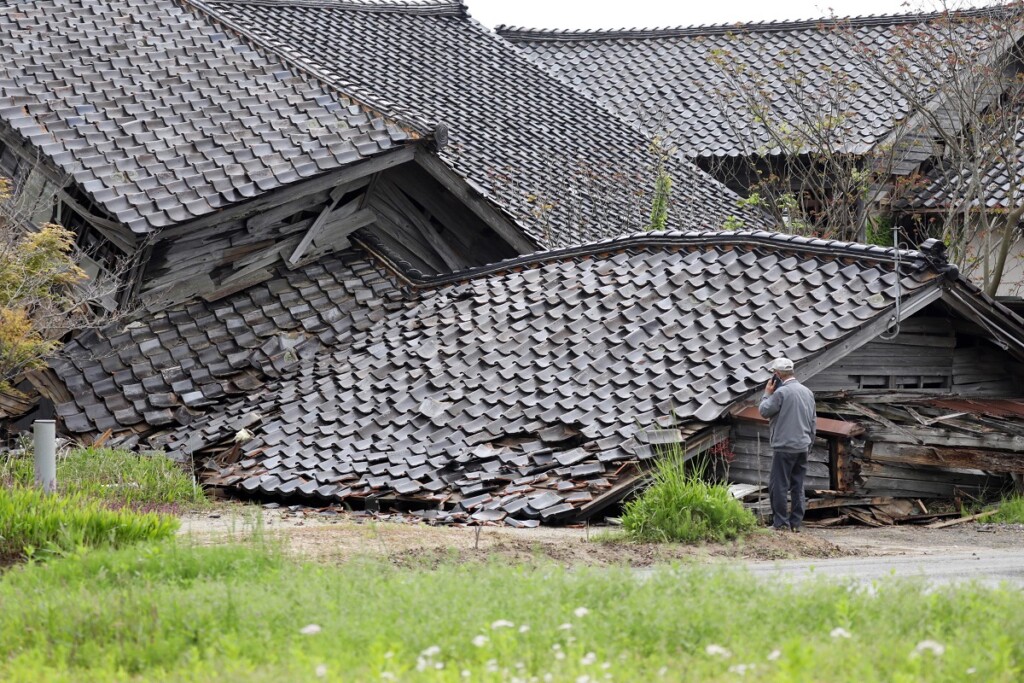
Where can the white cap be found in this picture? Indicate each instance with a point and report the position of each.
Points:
(781, 364)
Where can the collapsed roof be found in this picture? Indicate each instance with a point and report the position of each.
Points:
(554, 375)
(564, 167)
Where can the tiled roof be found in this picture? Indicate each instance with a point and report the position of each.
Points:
(552, 375)
(954, 187)
(165, 369)
(669, 78)
(161, 116)
(560, 164)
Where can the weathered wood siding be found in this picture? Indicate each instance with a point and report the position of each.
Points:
(880, 469)
(931, 354)
(406, 210)
(752, 457)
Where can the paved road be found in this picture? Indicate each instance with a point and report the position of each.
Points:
(986, 566)
(989, 567)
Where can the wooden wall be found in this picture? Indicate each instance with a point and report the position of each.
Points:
(402, 206)
(932, 353)
(752, 457)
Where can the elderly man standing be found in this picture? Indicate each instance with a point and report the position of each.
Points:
(789, 406)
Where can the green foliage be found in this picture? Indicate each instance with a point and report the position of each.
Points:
(659, 207)
(879, 231)
(38, 274)
(681, 506)
(113, 476)
(174, 612)
(1011, 510)
(662, 187)
(733, 223)
(32, 521)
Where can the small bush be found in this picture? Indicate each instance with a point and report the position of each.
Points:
(115, 476)
(1011, 511)
(31, 520)
(681, 506)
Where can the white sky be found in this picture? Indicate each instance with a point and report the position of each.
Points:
(649, 13)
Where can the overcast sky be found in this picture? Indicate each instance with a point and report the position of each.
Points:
(648, 13)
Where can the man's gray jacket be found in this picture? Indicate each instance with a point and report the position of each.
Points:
(792, 414)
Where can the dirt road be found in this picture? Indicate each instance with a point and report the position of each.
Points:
(990, 552)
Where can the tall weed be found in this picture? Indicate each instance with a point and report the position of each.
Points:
(116, 476)
(1011, 510)
(32, 521)
(681, 506)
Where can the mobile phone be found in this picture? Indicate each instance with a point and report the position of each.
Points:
(776, 381)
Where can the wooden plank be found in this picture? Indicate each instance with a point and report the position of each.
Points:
(327, 181)
(502, 224)
(348, 217)
(946, 457)
(396, 198)
(265, 219)
(862, 336)
(962, 520)
(947, 438)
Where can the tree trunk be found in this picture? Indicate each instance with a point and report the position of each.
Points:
(1009, 226)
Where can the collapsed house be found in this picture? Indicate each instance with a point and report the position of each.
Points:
(541, 388)
(211, 159)
(311, 204)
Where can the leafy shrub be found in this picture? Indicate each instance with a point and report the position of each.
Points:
(680, 505)
(1011, 510)
(115, 476)
(31, 520)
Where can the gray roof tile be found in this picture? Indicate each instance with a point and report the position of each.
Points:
(672, 75)
(155, 110)
(516, 134)
(392, 393)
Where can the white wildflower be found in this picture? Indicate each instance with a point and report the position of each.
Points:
(741, 669)
(421, 664)
(583, 679)
(606, 665)
(972, 671)
(588, 659)
(388, 676)
(438, 665)
(501, 623)
(556, 646)
(492, 666)
(717, 651)
(524, 628)
(465, 673)
(321, 670)
(559, 655)
(564, 627)
(581, 612)
(662, 672)
(839, 632)
(774, 655)
(310, 630)
(548, 678)
(431, 651)
(389, 654)
(934, 647)
(480, 641)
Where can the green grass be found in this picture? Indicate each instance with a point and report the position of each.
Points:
(174, 612)
(681, 506)
(1011, 510)
(115, 476)
(32, 521)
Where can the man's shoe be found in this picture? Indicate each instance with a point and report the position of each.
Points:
(795, 529)
(780, 528)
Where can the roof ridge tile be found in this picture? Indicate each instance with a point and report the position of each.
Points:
(526, 34)
(423, 7)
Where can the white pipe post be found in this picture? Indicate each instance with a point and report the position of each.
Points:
(45, 432)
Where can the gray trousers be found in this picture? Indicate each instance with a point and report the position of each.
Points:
(787, 480)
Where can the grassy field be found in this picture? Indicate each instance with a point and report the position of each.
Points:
(244, 612)
(115, 477)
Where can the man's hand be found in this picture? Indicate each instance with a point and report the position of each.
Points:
(769, 388)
